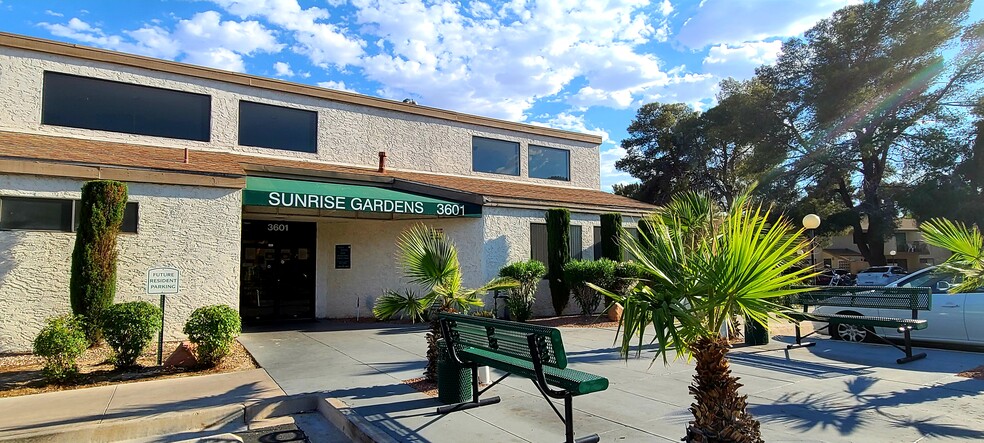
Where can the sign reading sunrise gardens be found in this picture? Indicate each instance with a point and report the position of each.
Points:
(163, 281)
(262, 191)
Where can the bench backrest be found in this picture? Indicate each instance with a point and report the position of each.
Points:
(506, 338)
(913, 299)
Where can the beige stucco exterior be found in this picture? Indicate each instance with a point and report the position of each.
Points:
(194, 229)
(348, 134)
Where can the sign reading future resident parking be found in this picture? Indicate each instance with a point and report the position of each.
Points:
(261, 191)
(162, 281)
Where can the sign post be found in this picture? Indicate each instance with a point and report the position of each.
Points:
(162, 281)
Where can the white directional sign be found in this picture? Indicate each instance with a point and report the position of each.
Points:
(162, 281)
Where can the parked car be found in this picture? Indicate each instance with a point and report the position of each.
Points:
(835, 277)
(953, 318)
(880, 275)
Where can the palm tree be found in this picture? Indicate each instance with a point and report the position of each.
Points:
(966, 244)
(698, 265)
(429, 259)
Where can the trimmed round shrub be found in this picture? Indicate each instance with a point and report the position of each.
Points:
(128, 328)
(579, 273)
(60, 342)
(521, 298)
(212, 329)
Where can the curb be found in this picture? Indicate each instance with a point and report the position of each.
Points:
(217, 419)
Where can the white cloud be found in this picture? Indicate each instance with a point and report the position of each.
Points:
(609, 174)
(740, 60)
(204, 39)
(730, 21)
(572, 122)
(283, 69)
(53, 13)
(665, 8)
(336, 85)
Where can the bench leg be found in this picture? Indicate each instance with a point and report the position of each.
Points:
(569, 423)
(908, 350)
(476, 402)
(799, 340)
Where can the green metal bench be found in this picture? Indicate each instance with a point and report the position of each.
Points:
(529, 351)
(876, 297)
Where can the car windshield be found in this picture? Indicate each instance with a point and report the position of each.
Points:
(926, 279)
(876, 269)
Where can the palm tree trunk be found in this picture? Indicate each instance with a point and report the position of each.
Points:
(719, 412)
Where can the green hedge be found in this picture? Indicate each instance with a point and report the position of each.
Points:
(579, 273)
(611, 234)
(129, 327)
(558, 253)
(93, 282)
(528, 274)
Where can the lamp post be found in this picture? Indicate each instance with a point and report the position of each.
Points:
(892, 253)
(811, 222)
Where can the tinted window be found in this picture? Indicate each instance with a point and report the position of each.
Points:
(879, 269)
(43, 214)
(81, 102)
(495, 156)
(130, 217)
(551, 163)
(538, 242)
(277, 127)
(596, 237)
(574, 241)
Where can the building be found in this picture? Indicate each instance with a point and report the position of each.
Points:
(282, 200)
(906, 249)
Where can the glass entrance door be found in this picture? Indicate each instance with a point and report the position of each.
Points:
(278, 270)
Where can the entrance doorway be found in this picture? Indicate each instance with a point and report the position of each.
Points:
(278, 270)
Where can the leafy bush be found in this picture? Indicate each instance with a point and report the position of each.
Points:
(484, 313)
(558, 253)
(528, 274)
(60, 342)
(93, 281)
(128, 328)
(611, 236)
(408, 305)
(212, 329)
(626, 276)
(578, 273)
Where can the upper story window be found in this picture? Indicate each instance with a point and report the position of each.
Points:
(495, 156)
(277, 127)
(89, 103)
(550, 163)
(53, 214)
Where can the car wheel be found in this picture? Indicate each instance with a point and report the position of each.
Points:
(852, 333)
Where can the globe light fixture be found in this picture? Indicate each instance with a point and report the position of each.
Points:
(811, 222)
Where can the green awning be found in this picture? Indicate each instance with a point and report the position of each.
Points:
(261, 191)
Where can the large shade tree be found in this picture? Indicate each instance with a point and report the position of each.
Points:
(697, 266)
(867, 97)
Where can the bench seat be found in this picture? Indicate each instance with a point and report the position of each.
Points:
(576, 382)
(860, 320)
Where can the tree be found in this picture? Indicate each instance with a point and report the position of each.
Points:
(558, 253)
(611, 234)
(659, 151)
(92, 286)
(697, 267)
(865, 96)
(430, 259)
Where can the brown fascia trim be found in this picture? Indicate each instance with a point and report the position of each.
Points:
(574, 207)
(100, 172)
(102, 55)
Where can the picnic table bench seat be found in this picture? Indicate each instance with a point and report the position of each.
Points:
(529, 351)
(876, 297)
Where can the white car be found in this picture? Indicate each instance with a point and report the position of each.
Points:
(880, 275)
(953, 318)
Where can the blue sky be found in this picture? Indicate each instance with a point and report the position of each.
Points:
(585, 66)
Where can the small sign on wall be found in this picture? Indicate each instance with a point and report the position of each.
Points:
(343, 256)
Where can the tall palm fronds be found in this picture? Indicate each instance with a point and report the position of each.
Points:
(966, 244)
(698, 266)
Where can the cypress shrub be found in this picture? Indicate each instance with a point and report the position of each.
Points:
(611, 236)
(558, 253)
(93, 282)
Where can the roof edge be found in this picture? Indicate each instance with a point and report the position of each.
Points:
(107, 56)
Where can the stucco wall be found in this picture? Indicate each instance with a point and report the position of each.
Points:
(194, 229)
(347, 134)
(374, 265)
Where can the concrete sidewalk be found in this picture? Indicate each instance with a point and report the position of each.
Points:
(834, 392)
(69, 411)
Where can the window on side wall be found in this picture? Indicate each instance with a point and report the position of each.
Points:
(277, 127)
(90, 103)
(538, 242)
(596, 237)
(53, 214)
(495, 156)
(549, 163)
